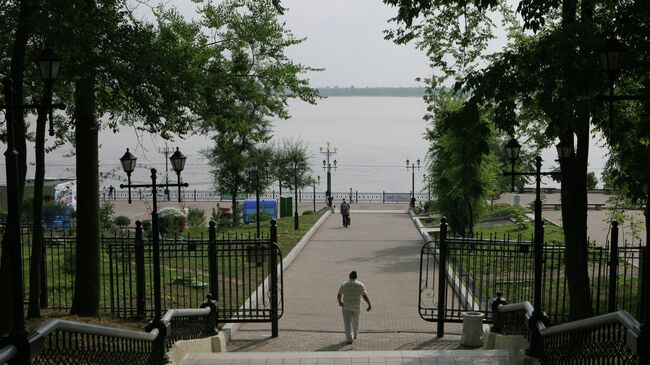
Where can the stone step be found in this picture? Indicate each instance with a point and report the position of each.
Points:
(431, 357)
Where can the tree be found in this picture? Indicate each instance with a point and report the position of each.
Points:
(291, 162)
(592, 180)
(462, 174)
(543, 83)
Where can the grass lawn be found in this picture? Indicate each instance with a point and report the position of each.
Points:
(552, 233)
(184, 276)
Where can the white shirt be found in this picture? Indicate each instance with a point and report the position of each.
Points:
(352, 290)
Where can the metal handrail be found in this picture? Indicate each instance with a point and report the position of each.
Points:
(90, 329)
(516, 307)
(8, 353)
(622, 317)
(172, 313)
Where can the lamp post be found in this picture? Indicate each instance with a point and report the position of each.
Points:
(564, 151)
(315, 181)
(328, 151)
(255, 172)
(412, 167)
(166, 151)
(48, 64)
(295, 192)
(424, 178)
(128, 162)
(611, 54)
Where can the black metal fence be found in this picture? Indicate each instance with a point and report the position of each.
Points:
(67, 342)
(612, 338)
(235, 268)
(475, 269)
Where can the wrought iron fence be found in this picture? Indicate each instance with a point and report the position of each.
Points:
(474, 269)
(238, 277)
(612, 338)
(67, 342)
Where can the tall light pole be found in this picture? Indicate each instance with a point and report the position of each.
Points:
(48, 64)
(295, 193)
(315, 181)
(611, 55)
(128, 162)
(564, 151)
(166, 151)
(412, 167)
(328, 151)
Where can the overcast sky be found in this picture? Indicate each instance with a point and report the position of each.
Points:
(345, 37)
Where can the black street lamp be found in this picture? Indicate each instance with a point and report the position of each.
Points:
(564, 151)
(315, 181)
(328, 151)
(295, 192)
(255, 172)
(49, 65)
(412, 167)
(512, 150)
(611, 55)
(128, 162)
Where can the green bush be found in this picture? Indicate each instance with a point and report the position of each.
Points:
(171, 220)
(106, 211)
(431, 206)
(146, 225)
(196, 217)
(122, 221)
(500, 210)
(306, 212)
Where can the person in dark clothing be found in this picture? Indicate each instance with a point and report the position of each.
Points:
(345, 212)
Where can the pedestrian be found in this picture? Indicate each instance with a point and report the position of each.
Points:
(345, 213)
(349, 297)
(111, 192)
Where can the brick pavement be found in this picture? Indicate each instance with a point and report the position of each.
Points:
(384, 249)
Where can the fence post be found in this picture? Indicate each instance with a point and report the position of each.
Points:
(356, 200)
(43, 296)
(140, 296)
(273, 269)
(613, 267)
(497, 325)
(442, 277)
(212, 259)
(211, 322)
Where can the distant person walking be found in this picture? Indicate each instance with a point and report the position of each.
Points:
(349, 298)
(111, 192)
(345, 213)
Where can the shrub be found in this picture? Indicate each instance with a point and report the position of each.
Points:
(306, 212)
(431, 206)
(146, 225)
(106, 211)
(500, 210)
(122, 221)
(171, 220)
(196, 217)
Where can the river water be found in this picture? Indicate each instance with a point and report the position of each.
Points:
(373, 135)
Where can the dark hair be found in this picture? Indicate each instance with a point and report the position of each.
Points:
(353, 275)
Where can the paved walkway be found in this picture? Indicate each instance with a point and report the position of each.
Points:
(384, 248)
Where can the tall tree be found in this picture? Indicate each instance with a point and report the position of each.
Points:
(551, 76)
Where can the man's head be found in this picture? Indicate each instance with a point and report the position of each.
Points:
(353, 275)
(343, 200)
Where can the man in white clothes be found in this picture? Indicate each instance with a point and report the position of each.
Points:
(349, 297)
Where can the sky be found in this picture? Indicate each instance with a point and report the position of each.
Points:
(345, 37)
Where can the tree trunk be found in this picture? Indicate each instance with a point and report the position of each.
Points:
(34, 309)
(17, 68)
(574, 225)
(235, 218)
(85, 301)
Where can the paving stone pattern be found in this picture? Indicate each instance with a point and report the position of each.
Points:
(385, 251)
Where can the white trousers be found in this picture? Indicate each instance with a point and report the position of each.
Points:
(351, 322)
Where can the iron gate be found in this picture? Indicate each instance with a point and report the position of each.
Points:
(243, 273)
